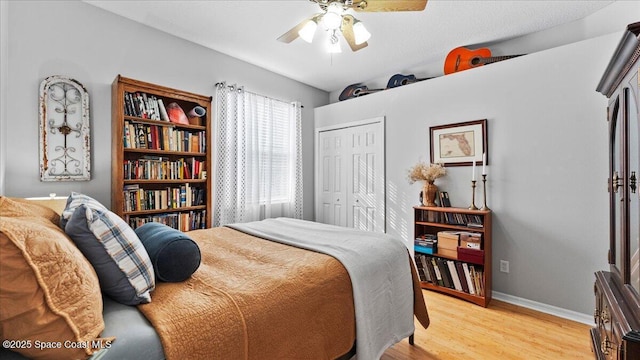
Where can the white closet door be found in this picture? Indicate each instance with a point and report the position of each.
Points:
(365, 177)
(350, 179)
(332, 205)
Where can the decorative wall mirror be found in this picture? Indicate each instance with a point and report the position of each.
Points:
(64, 130)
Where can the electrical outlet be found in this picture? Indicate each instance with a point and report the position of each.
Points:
(504, 266)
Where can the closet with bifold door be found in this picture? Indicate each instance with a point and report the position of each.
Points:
(350, 168)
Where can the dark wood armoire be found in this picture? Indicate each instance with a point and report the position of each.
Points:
(617, 308)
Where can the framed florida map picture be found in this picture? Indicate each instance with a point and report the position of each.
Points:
(459, 144)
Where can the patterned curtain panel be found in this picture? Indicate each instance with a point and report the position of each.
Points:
(258, 168)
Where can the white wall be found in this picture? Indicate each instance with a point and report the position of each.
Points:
(547, 162)
(93, 46)
(4, 72)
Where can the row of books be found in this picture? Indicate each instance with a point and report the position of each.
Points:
(139, 199)
(469, 220)
(452, 274)
(142, 105)
(145, 136)
(185, 221)
(159, 168)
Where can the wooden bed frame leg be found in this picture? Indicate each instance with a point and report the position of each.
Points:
(411, 339)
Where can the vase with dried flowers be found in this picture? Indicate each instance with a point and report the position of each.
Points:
(427, 173)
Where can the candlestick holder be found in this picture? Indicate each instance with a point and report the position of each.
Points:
(484, 192)
(473, 196)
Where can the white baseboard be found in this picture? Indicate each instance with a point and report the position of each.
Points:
(547, 309)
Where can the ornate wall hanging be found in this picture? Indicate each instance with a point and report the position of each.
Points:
(64, 130)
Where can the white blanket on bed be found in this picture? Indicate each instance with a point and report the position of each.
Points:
(379, 269)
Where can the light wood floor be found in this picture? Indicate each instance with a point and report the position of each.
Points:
(461, 330)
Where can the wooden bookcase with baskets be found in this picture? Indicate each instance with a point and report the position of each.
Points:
(160, 170)
(474, 275)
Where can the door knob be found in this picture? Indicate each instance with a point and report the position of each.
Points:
(632, 182)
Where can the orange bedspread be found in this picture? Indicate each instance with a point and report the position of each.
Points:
(256, 299)
(237, 306)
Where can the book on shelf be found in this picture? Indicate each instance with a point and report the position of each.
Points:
(454, 275)
(462, 277)
(436, 270)
(422, 271)
(163, 111)
(446, 202)
(141, 136)
(444, 199)
(444, 271)
(467, 276)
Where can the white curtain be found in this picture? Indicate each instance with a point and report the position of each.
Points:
(258, 164)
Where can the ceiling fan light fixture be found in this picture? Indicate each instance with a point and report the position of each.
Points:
(308, 30)
(360, 33)
(332, 19)
(335, 17)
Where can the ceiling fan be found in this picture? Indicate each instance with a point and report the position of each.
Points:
(335, 19)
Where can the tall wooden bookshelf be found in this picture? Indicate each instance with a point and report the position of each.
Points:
(162, 172)
(431, 220)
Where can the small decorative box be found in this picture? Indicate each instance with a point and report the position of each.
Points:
(471, 240)
(473, 256)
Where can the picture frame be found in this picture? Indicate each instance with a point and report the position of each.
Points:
(460, 144)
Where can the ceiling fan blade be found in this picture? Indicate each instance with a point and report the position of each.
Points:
(292, 34)
(347, 33)
(389, 5)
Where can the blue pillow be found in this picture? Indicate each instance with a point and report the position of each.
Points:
(117, 255)
(174, 255)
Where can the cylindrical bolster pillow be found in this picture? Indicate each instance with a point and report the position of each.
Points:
(174, 255)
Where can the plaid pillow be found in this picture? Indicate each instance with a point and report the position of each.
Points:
(73, 201)
(115, 251)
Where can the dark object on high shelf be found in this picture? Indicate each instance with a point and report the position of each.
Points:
(474, 282)
(617, 306)
(159, 167)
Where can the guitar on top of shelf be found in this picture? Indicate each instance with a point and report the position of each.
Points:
(355, 90)
(396, 80)
(461, 58)
(399, 80)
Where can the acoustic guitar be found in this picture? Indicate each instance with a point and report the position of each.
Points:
(355, 90)
(396, 80)
(399, 80)
(461, 58)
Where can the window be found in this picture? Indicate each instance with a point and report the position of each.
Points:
(259, 162)
(275, 154)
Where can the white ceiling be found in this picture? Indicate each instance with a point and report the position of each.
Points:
(400, 41)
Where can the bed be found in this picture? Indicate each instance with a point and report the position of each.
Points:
(275, 289)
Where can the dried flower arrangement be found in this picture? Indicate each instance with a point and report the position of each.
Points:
(426, 172)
